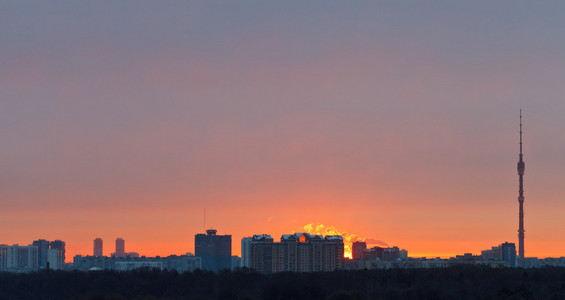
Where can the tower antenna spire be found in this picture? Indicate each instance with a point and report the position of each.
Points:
(520, 132)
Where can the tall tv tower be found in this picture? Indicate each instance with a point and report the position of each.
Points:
(521, 168)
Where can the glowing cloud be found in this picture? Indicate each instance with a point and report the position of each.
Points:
(348, 239)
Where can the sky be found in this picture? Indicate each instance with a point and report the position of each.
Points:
(395, 121)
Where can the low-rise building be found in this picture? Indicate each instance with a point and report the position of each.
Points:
(179, 263)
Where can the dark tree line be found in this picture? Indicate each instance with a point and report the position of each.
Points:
(461, 282)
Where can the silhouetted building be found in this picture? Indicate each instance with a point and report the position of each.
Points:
(120, 245)
(357, 249)
(98, 247)
(376, 253)
(466, 258)
(17, 258)
(392, 253)
(504, 252)
(3, 258)
(42, 249)
(235, 262)
(403, 253)
(120, 248)
(214, 250)
(245, 242)
(508, 253)
(299, 252)
(491, 254)
(181, 263)
(261, 253)
(61, 251)
(56, 259)
(50, 254)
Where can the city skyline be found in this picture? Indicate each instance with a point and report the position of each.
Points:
(393, 122)
(296, 252)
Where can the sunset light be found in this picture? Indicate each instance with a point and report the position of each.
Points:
(293, 149)
(348, 238)
(186, 135)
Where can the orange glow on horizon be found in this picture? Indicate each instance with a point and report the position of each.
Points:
(348, 239)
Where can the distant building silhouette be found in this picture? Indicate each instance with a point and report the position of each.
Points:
(235, 262)
(181, 263)
(357, 249)
(50, 254)
(245, 243)
(3, 258)
(360, 252)
(299, 252)
(505, 252)
(98, 247)
(261, 253)
(17, 258)
(508, 253)
(42, 249)
(215, 250)
(403, 253)
(56, 255)
(120, 248)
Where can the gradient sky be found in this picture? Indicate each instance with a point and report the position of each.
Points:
(391, 120)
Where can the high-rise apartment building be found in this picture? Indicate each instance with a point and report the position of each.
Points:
(357, 249)
(4, 257)
(46, 250)
(245, 243)
(55, 259)
(42, 249)
(215, 250)
(60, 246)
(98, 247)
(508, 253)
(120, 245)
(261, 248)
(299, 252)
(17, 258)
(120, 248)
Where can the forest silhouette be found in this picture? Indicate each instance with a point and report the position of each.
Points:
(461, 282)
